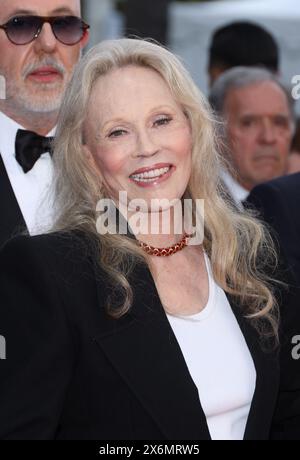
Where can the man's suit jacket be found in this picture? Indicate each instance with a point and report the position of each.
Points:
(73, 372)
(279, 204)
(12, 220)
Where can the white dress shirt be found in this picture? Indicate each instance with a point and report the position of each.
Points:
(32, 190)
(219, 363)
(238, 193)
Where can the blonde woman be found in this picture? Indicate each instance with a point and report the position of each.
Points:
(143, 334)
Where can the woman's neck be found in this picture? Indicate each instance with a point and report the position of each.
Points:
(159, 229)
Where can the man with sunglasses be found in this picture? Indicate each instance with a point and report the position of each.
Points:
(40, 43)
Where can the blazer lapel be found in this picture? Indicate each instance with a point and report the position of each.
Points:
(267, 383)
(11, 217)
(143, 348)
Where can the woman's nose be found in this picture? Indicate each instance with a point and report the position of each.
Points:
(146, 144)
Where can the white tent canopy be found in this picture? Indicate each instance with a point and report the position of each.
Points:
(267, 8)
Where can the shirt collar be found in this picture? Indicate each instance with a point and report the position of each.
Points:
(238, 193)
(8, 131)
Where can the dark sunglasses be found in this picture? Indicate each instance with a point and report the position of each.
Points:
(22, 30)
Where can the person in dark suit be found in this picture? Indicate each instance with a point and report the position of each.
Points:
(278, 203)
(40, 43)
(131, 319)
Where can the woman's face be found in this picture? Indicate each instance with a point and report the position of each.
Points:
(137, 136)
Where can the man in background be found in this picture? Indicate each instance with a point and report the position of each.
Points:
(258, 117)
(40, 43)
(241, 43)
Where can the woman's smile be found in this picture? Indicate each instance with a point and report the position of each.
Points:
(149, 177)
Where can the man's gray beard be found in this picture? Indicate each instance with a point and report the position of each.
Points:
(46, 99)
(24, 101)
(41, 104)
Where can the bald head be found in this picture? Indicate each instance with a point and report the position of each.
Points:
(10, 8)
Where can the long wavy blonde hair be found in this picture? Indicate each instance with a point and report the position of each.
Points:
(239, 247)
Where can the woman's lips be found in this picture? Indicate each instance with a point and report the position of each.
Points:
(149, 177)
(151, 168)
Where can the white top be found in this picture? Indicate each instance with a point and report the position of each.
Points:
(219, 363)
(238, 193)
(31, 190)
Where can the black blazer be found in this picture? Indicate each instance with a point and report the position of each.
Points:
(72, 372)
(12, 220)
(279, 204)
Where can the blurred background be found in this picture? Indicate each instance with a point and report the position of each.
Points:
(186, 27)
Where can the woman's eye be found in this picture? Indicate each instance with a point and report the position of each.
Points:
(163, 121)
(117, 133)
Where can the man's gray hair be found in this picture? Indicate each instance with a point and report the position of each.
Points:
(241, 77)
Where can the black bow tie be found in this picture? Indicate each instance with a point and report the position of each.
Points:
(29, 147)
